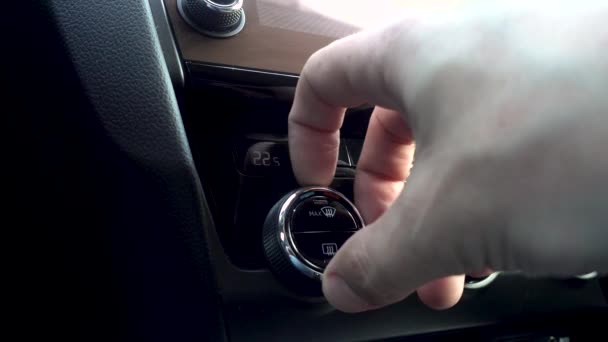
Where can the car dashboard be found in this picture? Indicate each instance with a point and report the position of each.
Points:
(237, 95)
(147, 147)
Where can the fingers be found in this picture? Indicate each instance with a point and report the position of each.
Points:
(389, 259)
(314, 139)
(442, 293)
(385, 162)
(347, 73)
(365, 273)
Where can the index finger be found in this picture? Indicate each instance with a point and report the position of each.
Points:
(349, 72)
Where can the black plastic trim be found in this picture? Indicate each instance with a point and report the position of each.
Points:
(166, 38)
(238, 75)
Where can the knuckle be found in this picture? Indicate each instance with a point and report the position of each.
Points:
(312, 66)
(317, 60)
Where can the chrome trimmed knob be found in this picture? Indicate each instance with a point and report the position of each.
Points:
(215, 18)
(303, 231)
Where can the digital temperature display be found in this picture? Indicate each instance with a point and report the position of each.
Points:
(266, 156)
(263, 158)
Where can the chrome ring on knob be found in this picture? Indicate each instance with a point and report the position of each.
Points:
(285, 232)
(481, 282)
(231, 7)
(213, 18)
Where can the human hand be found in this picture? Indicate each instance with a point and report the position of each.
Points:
(508, 113)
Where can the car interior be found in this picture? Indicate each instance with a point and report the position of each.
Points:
(147, 172)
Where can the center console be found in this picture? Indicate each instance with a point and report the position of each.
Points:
(240, 72)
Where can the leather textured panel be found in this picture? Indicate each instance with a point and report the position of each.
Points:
(120, 65)
(102, 184)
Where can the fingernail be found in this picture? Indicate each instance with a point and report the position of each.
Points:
(341, 296)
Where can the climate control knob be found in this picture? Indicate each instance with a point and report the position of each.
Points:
(303, 231)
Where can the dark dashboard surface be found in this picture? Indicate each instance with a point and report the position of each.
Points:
(137, 214)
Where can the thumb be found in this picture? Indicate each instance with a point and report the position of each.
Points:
(406, 248)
